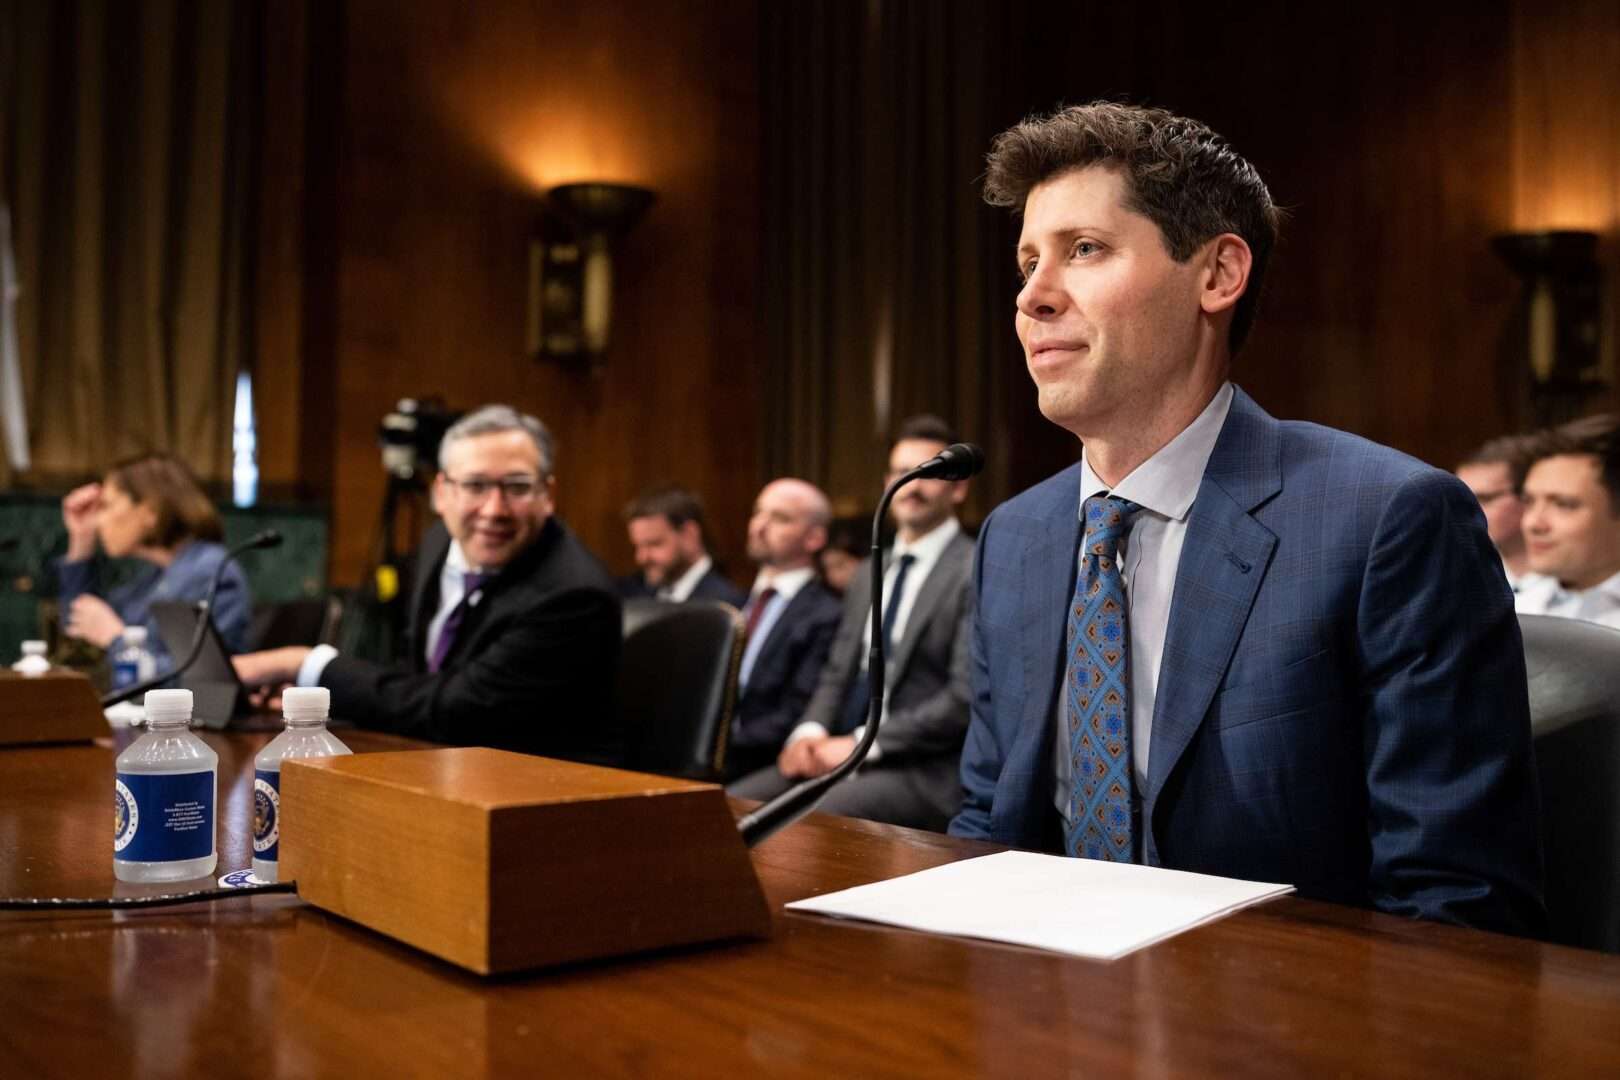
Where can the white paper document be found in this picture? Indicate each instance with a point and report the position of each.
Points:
(1084, 907)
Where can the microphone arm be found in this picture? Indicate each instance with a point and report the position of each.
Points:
(957, 462)
(266, 539)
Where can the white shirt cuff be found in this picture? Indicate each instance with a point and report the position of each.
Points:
(309, 672)
(874, 755)
(804, 731)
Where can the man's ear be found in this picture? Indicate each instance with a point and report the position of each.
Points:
(691, 536)
(1227, 261)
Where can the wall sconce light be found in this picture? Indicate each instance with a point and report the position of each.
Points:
(570, 309)
(1558, 329)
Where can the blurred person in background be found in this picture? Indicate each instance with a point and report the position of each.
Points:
(1572, 523)
(1495, 474)
(148, 508)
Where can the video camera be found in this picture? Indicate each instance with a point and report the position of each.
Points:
(410, 437)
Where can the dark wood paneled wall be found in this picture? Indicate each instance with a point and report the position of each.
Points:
(451, 120)
(1399, 140)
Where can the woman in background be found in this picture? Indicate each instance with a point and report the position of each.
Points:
(149, 508)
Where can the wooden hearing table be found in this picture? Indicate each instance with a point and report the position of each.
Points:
(273, 987)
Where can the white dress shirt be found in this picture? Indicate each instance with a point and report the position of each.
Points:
(925, 552)
(787, 584)
(1165, 486)
(452, 586)
(1540, 594)
(681, 590)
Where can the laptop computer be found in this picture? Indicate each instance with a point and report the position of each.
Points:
(218, 695)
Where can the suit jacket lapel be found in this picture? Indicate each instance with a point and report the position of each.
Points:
(947, 575)
(434, 548)
(1223, 561)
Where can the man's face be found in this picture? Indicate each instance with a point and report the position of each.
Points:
(492, 524)
(664, 551)
(1107, 318)
(1492, 485)
(921, 505)
(1570, 527)
(782, 533)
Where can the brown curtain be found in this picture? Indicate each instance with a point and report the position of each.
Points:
(127, 146)
(888, 284)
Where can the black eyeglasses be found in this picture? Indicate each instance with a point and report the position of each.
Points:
(516, 489)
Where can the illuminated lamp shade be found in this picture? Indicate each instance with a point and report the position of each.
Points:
(571, 269)
(1555, 339)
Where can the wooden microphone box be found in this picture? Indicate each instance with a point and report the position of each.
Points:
(59, 706)
(499, 861)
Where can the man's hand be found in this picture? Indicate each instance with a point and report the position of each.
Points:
(273, 667)
(93, 620)
(798, 758)
(81, 509)
(831, 752)
(814, 755)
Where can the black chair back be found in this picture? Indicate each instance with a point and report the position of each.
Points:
(1574, 670)
(677, 685)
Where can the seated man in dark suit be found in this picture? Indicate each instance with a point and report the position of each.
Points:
(514, 627)
(666, 530)
(910, 778)
(1219, 642)
(791, 617)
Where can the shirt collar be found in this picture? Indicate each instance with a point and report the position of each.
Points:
(928, 548)
(683, 586)
(787, 583)
(1168, 482)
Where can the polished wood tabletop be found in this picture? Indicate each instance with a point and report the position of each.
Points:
(270, 986)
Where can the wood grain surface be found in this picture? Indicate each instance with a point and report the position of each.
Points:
(274, 987)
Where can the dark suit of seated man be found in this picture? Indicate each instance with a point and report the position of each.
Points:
(911, 776)
(790, 616)
(670, 543)
(514, 629)
(1224, 643)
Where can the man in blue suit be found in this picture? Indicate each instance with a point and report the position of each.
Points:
(1224, 643)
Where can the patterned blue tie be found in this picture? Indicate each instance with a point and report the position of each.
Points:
(1097, 697)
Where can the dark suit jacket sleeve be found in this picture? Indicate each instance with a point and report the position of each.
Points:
(935, 724)
(522, 690)
(981, 756)
(1450, 771)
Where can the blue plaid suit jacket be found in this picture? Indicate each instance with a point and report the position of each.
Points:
(1342, 700)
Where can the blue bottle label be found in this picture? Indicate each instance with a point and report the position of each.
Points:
(163, 817)
(266, 814)
(125, 673)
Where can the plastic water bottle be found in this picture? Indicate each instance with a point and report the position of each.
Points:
(306, 709)
(132, 663)
(168, 781)
(33, 660)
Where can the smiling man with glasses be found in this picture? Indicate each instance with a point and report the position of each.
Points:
(514, 626)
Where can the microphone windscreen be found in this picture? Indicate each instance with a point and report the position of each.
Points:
(959, 461)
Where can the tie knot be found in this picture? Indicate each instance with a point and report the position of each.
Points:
(1107, 519)
(473, 581)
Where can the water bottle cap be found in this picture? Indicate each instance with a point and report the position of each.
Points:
(306, 702)
(134, 635)
(33, 648)
(168, 705)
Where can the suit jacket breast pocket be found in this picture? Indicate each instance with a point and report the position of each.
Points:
(1276, 687)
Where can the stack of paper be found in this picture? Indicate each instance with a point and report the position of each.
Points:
(1084, 907)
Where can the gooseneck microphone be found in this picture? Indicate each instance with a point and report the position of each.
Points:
(956, 462)
(267, 539)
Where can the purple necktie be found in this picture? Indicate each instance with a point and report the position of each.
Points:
(447, 635)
